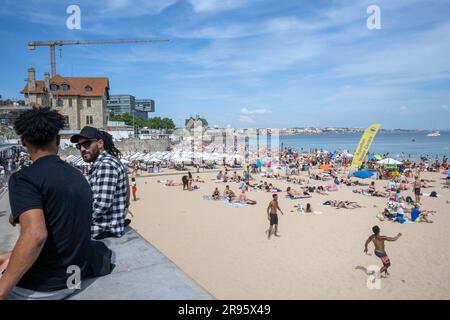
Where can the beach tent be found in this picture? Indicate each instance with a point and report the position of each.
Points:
(371, 157)
(377, 156)
(389, 161)
(362, 174)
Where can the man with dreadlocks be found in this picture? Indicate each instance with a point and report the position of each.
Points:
(108, 180)
(52, 203)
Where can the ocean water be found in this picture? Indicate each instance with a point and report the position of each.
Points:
(397, 144)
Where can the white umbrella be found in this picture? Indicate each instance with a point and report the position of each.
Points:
(153, 159)
(185, 159)
(348, 155)
(389, 161)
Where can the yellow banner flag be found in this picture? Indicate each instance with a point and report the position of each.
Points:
(364, 144)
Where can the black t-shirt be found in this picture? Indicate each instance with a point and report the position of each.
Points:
(65, 196)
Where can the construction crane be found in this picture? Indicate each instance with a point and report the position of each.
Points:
(52, 44)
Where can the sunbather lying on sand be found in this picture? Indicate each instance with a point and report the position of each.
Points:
(331, 187)
(321, 190)
(420, 215)
(200, 180)
(376, 193)
(271, 188)
(343, 204)
(242, 198)
(298, 180)
(296, 193)
(307, 209)
(170, 183)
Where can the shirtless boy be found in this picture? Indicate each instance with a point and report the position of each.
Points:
(378, 241)
(272, 210)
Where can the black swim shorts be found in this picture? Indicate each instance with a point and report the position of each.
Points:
(273, 219)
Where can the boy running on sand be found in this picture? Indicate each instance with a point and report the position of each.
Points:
(378, 241)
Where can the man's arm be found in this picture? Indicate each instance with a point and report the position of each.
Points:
(4, 259)
(127, 200)
(33, 234)
(393, 238)
(367, 243)
(278, 207)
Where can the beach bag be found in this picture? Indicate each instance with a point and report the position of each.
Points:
(311, 189)
(433, 194)
(409, 200)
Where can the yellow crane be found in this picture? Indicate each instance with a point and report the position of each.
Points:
(52, 44)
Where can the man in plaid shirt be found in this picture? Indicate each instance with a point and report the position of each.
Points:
(108, 180)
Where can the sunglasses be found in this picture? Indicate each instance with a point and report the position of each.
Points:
(86, 144)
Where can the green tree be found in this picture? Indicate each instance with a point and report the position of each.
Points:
(153, 123)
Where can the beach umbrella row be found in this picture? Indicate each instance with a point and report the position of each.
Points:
(76, 161)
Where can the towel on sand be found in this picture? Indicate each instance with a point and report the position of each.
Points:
(297, 197)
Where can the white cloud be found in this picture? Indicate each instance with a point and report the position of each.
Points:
(404, 108)
(201, 6)
(445, 107)
(255, 111)
(51, 12)
(131, 8)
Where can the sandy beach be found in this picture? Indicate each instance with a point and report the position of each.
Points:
(318, 256)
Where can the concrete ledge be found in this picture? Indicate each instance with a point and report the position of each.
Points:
(141, 273)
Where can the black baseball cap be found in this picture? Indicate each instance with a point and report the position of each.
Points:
(87, 133)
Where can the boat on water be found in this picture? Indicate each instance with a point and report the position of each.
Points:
(434, 134)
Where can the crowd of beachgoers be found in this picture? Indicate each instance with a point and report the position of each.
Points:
(329, 171)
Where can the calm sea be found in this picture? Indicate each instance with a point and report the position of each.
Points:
(398, 145)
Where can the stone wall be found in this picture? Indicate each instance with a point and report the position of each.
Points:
(79, 110)
(129, 146)
(137, 145)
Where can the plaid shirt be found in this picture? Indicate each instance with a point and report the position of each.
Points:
(108, 182)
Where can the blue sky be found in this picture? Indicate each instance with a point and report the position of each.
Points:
(250, 63)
